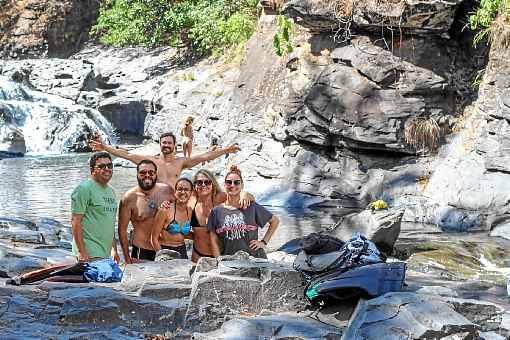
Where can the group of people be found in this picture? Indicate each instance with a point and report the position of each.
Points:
(165, 209)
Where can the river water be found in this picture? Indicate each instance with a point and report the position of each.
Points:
(41, 186)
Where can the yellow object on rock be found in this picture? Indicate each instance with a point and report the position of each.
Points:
(378, 205)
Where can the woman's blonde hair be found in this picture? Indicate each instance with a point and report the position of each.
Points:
(215, 186)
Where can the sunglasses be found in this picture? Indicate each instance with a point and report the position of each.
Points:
(233, 182)
(105, 166)
(202, 182)
(147, 172)
(183, 189)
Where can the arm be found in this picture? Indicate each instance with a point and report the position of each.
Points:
(114, 253)
(215, 247)
(273, 225)
(159, 222)
(98, 145)
(246, 199)
(208, 156)
(77, 230)
(124, 218)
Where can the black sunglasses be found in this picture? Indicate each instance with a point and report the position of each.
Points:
(234, 182)
(104, 166)
(202, 182)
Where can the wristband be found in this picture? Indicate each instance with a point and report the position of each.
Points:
(263, 241)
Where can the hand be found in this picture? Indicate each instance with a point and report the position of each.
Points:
(245, 200)
(135, 260)
(128, 260)
(116, 257)
(165, 205)
(232, 148)
(256, 245)
(96, 143)
(83, 257)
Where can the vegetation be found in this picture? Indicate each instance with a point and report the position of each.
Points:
(484, 19)
(207, 26)
(422, 134)
(281, 39)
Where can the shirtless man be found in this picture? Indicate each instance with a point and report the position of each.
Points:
(139, 206)
(169, 166)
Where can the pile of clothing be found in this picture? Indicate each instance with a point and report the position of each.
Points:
(334, 269)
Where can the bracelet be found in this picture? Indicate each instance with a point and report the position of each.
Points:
(263, 241)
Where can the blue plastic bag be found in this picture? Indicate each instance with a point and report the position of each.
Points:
(105, 270)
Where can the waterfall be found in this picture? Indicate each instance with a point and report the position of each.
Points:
(37, 123)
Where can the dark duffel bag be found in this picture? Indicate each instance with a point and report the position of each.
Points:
(370, 281)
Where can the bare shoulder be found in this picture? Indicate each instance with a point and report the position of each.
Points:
(129, 195)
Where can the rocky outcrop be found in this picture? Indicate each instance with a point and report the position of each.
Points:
(383, 317)
(40, 28)
(411, 16)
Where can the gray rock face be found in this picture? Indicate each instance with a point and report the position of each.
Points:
(242, 286)
(384, 317)
(273, 327)
(414, 16)
(364, 97)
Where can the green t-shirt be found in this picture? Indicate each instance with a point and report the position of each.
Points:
(98, 205)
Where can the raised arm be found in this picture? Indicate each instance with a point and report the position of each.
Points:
(209, 156)
(97, 144)
(124, 218)
(160, 221)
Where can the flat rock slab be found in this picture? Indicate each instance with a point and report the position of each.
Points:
(408, 316)
(272, 327)
(242, 286)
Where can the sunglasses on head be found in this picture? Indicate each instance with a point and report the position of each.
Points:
(202, 182)
(104, 166)
(233, 182)
(147, 172)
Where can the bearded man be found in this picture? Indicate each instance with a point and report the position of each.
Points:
(139, 206)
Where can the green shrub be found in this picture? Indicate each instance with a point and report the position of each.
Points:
(281, 39)
(482, 19)
(205, 25)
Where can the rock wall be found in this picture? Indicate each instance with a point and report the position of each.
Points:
(41, 28)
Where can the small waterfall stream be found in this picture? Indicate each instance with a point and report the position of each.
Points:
(36, 123)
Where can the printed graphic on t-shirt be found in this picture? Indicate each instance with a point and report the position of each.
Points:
(234, 227)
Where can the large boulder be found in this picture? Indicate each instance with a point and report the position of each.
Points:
(380, 226)
(432, 17)
(239, 285)
(409, 316)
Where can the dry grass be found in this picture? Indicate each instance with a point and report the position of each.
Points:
(500, 30)
(422, 134)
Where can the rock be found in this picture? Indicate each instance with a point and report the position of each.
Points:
(127, 115)
(437, 291)
(410, 315)
(488, 316)
(381, 227)
(272, 326)
(167, 255)
(38, 28)
(242, 286)
(409, 16)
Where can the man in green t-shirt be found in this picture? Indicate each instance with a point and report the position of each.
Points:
(94, 208)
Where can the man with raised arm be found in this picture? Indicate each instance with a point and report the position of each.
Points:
(169, 166)
(139, 206)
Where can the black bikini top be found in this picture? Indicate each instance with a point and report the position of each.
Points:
(194, 220)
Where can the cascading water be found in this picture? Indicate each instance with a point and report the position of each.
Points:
(36, 123)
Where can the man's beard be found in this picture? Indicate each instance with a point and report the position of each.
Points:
(167, 150)
(144, 186)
